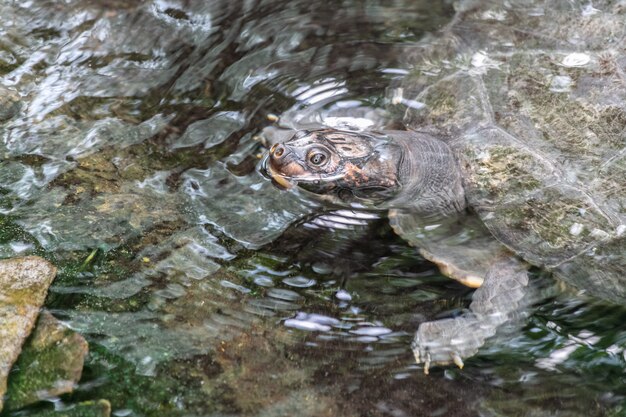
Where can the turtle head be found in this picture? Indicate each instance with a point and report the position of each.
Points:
(344, 167)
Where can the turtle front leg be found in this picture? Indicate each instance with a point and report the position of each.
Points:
(494, 303)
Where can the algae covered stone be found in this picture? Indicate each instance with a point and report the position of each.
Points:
(24, 284)
(9, 103)
(50, 364)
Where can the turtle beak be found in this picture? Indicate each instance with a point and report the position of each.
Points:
(282, 165)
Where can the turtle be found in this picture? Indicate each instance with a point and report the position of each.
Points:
(513, 154)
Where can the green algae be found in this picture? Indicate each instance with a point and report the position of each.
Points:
(125, 389)
(49, 365)
(453, 104)
(583, 121)
(225, 381)
(503, 171)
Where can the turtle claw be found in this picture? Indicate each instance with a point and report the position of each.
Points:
(416, 354)
(418, 359)
(451, 340)
(447, 341)
(456, 359)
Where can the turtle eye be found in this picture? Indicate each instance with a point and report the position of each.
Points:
(317, 158)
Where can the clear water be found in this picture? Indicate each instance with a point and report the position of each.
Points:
(201, 288)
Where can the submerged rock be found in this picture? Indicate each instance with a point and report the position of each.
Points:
(50, 364)
(246, 209)
(24, 284)
(9, 103)
(62, 220)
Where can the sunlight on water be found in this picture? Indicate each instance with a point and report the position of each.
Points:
(130, 139)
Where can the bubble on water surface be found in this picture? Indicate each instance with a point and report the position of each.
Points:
(236, 287)
(263, 281)
(371, 331)
(576, 59)
(306, 325)
(299, 282)
(312, 322)
(343, 295)
(283, 294)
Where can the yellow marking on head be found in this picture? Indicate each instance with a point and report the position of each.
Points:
(280, 180)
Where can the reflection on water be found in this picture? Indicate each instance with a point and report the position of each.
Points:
(211, 292)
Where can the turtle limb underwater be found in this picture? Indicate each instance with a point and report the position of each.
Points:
(464, 250)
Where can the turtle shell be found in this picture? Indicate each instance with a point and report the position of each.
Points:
(533, 101)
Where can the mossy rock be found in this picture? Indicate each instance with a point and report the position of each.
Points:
(50, 364)
(24, 284)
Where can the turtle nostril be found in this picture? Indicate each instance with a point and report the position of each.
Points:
(277, 151)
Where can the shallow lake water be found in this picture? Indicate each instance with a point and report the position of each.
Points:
(203, 290)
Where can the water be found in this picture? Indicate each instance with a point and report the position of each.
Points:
(201, 288)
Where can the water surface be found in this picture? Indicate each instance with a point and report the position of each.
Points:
(201, 288)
